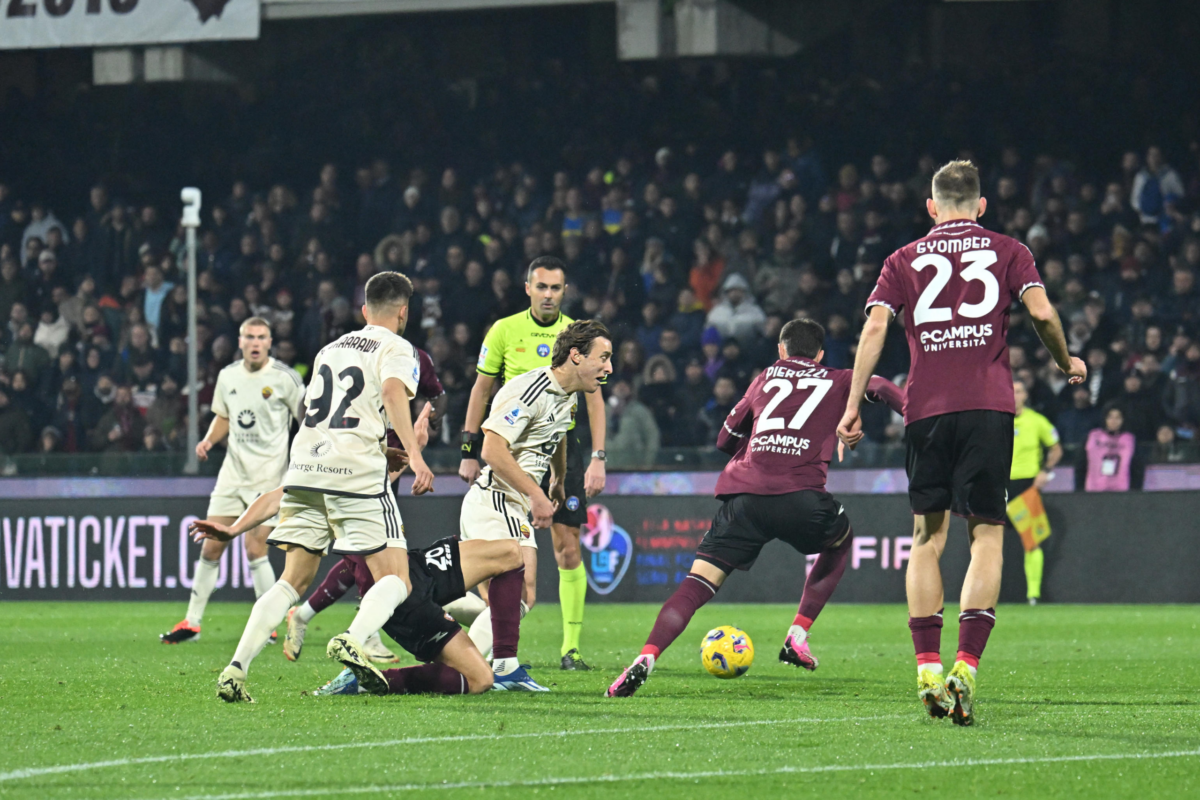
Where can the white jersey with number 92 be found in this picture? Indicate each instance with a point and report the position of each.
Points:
(340, 446)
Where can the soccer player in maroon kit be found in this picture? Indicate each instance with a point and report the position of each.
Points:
(957, 284)
(781, 435)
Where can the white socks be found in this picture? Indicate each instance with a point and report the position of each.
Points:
(505, 666)
(305, 613)
(202, 588)
(800, 634)
(269, 610)
(377, 606)
(262, 574)
(936, 669)
(466, 609)
(481, 630)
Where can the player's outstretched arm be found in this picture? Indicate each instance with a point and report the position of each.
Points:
(218, 429)
(481, 392)
(594, 476)
(870, 346)
(500, 459)
(1050, 331)
(395, 403)
(261, 510)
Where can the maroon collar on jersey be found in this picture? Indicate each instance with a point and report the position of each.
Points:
(951, 225)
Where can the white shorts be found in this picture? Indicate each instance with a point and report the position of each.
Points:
(491, 515)
(352, 525)
(231, 501)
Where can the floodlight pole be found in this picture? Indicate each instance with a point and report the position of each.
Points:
(191, 221)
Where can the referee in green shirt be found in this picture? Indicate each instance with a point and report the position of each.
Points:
(513, 346)
(1032, 433)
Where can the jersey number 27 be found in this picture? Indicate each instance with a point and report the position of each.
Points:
(319, 410)
(782, 389)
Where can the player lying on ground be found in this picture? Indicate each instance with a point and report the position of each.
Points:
(781, 435)
(439, 575)
(956, 285)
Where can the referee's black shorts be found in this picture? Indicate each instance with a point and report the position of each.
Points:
(960, 462)
(574, 512)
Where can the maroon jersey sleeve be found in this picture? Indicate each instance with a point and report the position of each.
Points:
(429, 386)
(734, 433)
(881, 390)
(889, 288)
(1022, 271)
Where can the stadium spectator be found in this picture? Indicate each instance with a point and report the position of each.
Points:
(1109, 462)
(121, 427)
(737, 315)
(633, 437)
(16, 431)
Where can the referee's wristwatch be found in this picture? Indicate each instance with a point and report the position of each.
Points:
(472, 444)
(600, 454)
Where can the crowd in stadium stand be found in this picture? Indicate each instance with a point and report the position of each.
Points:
(693, 266)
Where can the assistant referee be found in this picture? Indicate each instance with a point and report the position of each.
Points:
(1032, 433)
(515, 345)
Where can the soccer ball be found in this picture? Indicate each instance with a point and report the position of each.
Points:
(727, 652)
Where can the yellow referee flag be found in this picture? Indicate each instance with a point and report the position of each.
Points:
(1028, 516)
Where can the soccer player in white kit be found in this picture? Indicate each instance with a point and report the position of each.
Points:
(524, 436)
(255, 401)
(336, 488)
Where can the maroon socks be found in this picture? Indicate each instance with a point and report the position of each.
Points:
(927, 638)
(677, 612)
(974, 627)
(822, 580)
(425, 679)
(337, 582)
(504, 597)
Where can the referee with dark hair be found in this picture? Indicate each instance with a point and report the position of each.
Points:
(513, 346)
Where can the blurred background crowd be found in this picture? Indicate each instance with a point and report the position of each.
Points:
(698, 207)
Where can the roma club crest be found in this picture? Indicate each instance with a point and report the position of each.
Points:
(609, 550)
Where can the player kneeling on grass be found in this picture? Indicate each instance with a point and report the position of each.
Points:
(781, 436)
(440, 575)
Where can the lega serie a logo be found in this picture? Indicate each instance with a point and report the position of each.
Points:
(610, 549)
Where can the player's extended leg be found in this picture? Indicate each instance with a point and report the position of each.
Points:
(389, 569)
(572, 592)
(507, 609)
(204, 580)
(336, 583)
(818, 588)
(981, 590)
(923, 585)
(700, 586)
(299, 569)
(261, 572)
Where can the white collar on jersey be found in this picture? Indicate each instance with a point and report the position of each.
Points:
(554, 387)
(955, 223)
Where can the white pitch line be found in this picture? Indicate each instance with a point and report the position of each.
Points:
(685, 776)
(33, 772)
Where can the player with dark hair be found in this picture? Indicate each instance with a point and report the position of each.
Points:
(340, 579)
(336, 490)
(515, 346)
(957, 284)
(524, 438)
(781, 436)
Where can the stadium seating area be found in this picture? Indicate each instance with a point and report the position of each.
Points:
(694, 256)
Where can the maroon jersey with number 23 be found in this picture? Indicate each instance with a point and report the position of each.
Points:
(957, 284)
(782, 432)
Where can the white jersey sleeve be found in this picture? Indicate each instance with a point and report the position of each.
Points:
(340, 447)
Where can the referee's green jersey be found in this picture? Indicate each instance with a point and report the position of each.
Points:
(519, 344)
(1031, 433)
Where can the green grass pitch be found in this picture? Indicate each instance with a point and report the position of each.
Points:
(1095, 701)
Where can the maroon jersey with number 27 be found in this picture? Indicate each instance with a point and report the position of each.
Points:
(782, 432)
(957, 284)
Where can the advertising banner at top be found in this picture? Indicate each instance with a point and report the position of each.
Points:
(28, 24)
